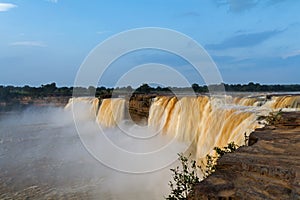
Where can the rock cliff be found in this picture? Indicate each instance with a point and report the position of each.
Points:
(139, 106)
(269, 168)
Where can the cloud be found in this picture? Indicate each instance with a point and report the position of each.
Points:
(257, 62)
(237, 6)
(29, 43)
(223, 59)
(291, 54)
(190, 14)
(273, 2)
(53, 1)
(240, 6)
(6, 6)
(243, 40)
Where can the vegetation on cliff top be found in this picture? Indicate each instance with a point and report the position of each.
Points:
(11, 92)
(186, 175)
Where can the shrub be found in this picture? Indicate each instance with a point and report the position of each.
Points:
(211, 161)
(185, 177)
(273, 118)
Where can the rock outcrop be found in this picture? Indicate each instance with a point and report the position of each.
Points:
(139, 106)
(23, 102)
(267, 169)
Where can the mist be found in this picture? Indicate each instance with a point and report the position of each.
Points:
(42, 155)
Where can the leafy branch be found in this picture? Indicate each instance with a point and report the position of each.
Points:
(185, 176)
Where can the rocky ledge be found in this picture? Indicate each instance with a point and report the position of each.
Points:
(269, 168)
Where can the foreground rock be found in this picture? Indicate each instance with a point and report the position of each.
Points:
(268, 169)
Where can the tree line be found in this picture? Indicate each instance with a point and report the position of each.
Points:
(11, 92)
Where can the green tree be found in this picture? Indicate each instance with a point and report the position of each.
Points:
(196, 87)
(145, 88)
(185, 177)
(49, 88)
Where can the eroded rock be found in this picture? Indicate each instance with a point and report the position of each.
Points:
(267, 169)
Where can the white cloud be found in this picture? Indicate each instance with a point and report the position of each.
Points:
(53, 1)
(291, 54)
(29, 43)
(6, 6)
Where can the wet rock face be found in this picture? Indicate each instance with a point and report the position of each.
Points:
(268, 169)
(139, 106)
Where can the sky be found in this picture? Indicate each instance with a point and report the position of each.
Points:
(44, 41)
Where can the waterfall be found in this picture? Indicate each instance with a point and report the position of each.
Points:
(86, 106)
(286, 102)
(195, 120)
(111, 112)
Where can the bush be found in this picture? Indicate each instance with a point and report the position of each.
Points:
(211, 161)
(185, 177)
(273, 118)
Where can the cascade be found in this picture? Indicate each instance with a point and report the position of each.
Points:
(286, 102)
(111, 112)
(195, 120)
(88, 106)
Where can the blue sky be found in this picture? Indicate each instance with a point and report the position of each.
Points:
(44, 41)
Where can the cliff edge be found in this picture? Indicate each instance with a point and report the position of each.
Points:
(269, 168)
